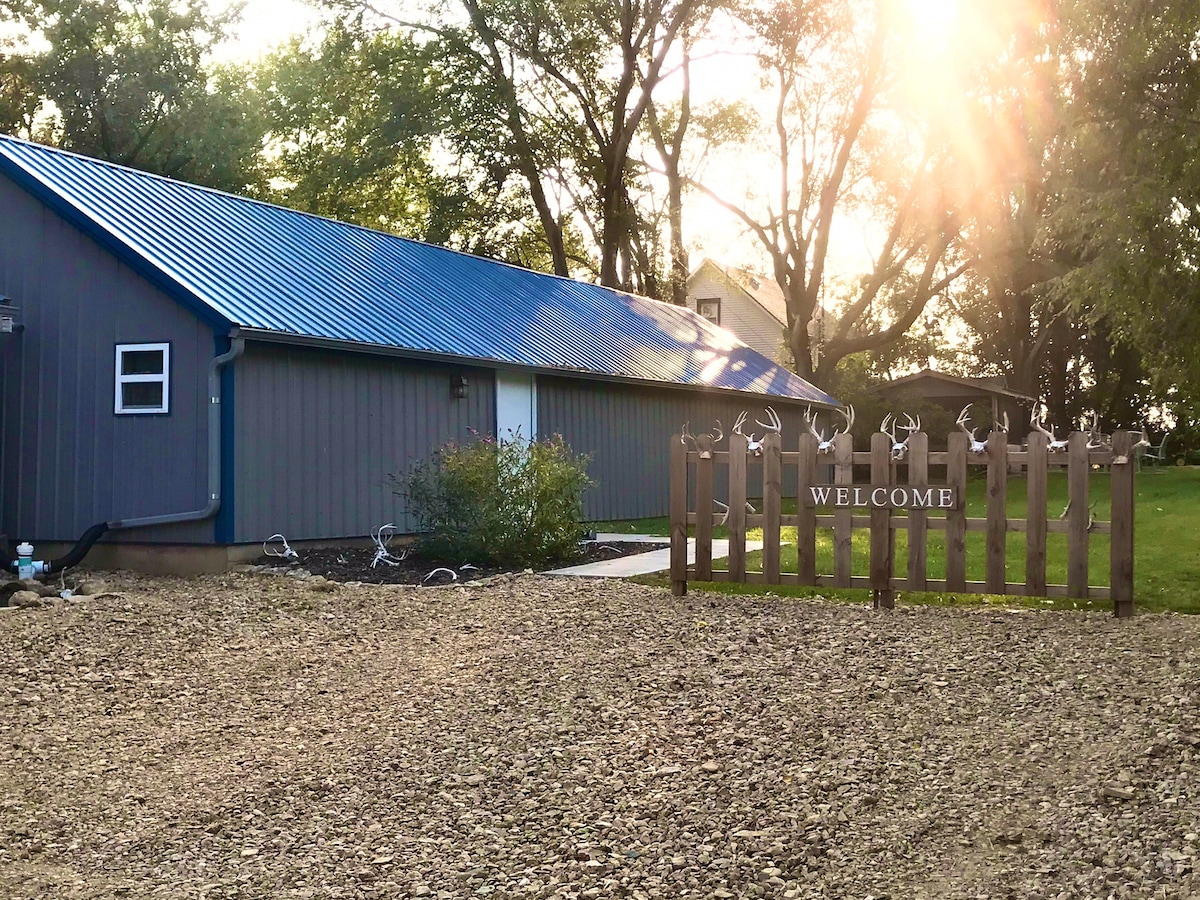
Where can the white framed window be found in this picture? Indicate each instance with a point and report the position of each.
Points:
(143, 379)
(710, 309)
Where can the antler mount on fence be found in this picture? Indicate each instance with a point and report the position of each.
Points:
(890, 426)
(754, 444)
(824, 444)
(701, 443)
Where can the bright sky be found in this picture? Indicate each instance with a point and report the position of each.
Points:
(265, 23)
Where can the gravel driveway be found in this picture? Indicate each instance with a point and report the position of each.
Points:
(256, 736)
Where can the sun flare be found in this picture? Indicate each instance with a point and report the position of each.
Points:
(933, 20)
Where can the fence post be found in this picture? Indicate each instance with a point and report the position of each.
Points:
(1035, 516)
(1077, 516)
(704, 519)
(918, 474)
(678, 507)
(881, 527)
(1121, 577)
(956, 519)
(997, 512)
(772, 504)
(736, 523)
(806, 530)
(843, 524)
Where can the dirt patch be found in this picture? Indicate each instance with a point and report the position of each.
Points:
(355, 564)
(247, 736)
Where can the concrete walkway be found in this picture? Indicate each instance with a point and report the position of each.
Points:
(642, 563)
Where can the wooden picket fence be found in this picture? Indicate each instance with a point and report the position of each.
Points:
(1078, 523)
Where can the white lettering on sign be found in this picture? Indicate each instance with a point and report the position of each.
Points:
(821, 494)
(883, 496)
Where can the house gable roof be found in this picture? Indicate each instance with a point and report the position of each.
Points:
(240, 263)
(760, 289)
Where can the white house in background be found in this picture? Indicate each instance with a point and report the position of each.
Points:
(750, 305)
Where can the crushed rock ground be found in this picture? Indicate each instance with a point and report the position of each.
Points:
(249, 736)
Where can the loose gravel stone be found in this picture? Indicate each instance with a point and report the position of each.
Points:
(247, 736)
(26, 600)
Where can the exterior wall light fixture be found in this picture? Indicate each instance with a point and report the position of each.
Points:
(8, 316)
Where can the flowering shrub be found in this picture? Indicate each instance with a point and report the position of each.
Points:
(508, 502)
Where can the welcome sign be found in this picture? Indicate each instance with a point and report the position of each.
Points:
(882, 496)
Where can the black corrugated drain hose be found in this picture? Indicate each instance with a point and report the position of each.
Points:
(73, 557)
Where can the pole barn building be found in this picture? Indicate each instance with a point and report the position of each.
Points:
(188, 368)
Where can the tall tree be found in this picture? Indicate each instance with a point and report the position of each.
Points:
(838, 145)
(358, 119)
(1073, 146)
(129, 83)
(19, 100)
(1010, 140)
(583, 71)
(1132, 208)
(682, 136)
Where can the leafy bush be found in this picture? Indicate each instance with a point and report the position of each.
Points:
(508, 502)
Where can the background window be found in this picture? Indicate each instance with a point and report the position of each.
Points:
(710, 309)
(143, 378)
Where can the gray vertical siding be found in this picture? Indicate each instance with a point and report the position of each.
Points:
(627, 430)
(317, 434)
(66, 461)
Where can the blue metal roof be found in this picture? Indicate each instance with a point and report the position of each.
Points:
(243, 263)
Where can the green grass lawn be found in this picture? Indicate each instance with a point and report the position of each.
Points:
(1166, 541)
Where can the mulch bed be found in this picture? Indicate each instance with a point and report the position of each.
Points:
(354, 564)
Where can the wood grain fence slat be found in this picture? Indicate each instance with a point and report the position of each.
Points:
(843, 473)
(737, 505)
(678, 507)
(1121, 551)
(772, 508)
(1077, 515)
(1035, 516)
(704, 519)
(956, 519)
(997, 499)
(806, 525)
(881, 531)
(918, 474)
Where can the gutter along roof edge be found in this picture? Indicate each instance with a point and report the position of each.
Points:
(391, 351)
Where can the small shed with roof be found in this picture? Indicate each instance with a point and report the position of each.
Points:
(991, 398)
(196, 368)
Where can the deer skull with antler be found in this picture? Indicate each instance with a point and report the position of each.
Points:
(890, 426)
(825, 445)
(1055, 445)
(701, 443)
(1097, 440)
(978, 447)
(754, 445)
